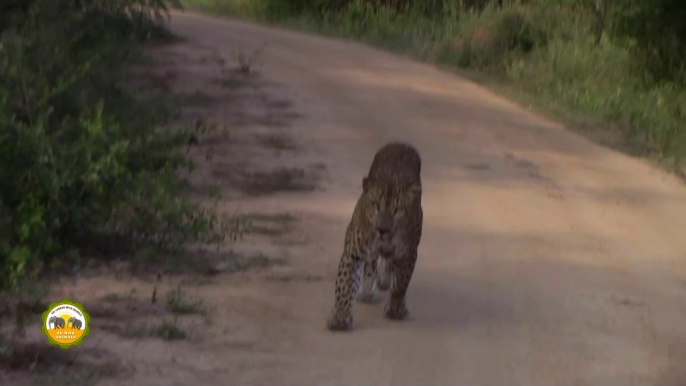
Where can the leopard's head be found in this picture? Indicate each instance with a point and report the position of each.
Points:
(387, 204)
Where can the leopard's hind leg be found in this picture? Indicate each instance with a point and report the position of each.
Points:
(384, 276)
(368, 293)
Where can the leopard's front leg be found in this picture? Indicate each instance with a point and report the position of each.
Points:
(347, 283)
(396, 309)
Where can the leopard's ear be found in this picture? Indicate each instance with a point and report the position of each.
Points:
(366, 183)
(413, 189)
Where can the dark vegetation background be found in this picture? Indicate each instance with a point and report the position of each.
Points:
(86, 168)
(613, 69)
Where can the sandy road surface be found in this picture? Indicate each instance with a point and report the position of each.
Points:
(545, 260)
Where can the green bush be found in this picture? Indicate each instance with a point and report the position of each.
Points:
(84, 167)
(493, 36)
(658, 31)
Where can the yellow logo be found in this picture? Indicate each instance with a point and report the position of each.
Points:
(65, 323)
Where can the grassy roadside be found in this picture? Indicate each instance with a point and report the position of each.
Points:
(88, 168)
(547, 55)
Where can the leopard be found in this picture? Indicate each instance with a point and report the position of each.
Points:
(382, 237)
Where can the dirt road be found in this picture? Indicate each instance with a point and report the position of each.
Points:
(545, 260)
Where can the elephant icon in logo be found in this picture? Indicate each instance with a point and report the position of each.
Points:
(56, 322)
(75, 323)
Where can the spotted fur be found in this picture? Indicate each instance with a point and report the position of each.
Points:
(381, 241)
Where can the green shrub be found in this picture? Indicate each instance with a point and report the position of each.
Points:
(493, 36)
(84, 167)
(658, 33)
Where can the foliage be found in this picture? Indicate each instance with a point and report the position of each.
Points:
(658, 30)
(84, 167)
